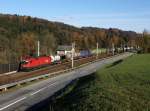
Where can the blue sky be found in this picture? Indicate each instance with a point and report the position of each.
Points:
(124, 14)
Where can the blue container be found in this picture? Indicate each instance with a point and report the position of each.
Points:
(85, 53)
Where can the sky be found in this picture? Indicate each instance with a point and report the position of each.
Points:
(123, 14)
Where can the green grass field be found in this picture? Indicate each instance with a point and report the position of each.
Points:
(117, 87)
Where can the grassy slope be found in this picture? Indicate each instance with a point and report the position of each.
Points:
(125, 86)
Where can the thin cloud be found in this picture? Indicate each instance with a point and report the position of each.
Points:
(117, 20)
(143, 15)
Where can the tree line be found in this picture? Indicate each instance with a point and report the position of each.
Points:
(19, 36)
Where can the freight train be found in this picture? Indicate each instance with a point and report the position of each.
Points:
(30, 63)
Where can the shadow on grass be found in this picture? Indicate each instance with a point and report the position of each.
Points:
(115, 63)
(63, 97)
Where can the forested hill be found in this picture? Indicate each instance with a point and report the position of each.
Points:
(19, 35)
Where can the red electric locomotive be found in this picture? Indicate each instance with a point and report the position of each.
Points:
(32, 63)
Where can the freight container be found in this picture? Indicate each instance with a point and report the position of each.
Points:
(85, 53)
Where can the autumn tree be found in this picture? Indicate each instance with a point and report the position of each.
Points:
(146, 41)
(27, 43)
(48, 43)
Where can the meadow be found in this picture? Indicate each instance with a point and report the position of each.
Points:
(120, 86)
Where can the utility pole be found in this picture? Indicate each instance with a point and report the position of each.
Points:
(113, 49)
(38, 51)
(97, 50)
(124, 47)
(73, 50)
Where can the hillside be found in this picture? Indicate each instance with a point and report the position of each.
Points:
(19, 34)
(120, 86)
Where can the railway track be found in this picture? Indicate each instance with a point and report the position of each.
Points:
(6, 79)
